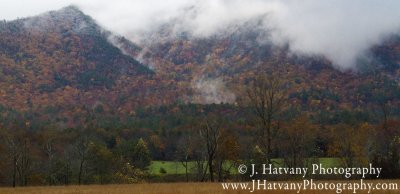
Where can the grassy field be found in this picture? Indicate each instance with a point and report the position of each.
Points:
(172, 167)
(159, 188)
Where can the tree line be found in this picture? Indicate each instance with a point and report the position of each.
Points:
(264, 126)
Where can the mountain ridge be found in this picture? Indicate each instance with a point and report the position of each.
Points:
(63, 60)
(62, 64)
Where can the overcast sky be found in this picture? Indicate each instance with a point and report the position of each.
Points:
(13, 9)
(341, 30)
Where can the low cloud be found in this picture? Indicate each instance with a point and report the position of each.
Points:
(341, 30)
(211, 90)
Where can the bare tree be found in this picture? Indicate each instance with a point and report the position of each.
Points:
(13, 152)
(267, 97)
(19, 153)
(211, 135)
(184, 153)
(47, 141)
(82, 148)
(24, 163)
(200, 159)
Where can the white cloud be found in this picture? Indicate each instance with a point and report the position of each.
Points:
(12, 9)
(339, 29)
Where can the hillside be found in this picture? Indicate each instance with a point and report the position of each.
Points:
(231, 60)
(62, 66)
(63, 61)
(82, 105)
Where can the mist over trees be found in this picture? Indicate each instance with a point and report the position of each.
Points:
(76, 107)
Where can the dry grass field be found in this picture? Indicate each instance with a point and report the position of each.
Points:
(156, 188)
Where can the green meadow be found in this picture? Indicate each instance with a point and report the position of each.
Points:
(176, 167)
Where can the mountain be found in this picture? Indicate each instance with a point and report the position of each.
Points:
(61, 67)
(236, 57)
(61, 63)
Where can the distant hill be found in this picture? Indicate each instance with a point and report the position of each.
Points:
(62, 60)
(235, 58)
(61, 66)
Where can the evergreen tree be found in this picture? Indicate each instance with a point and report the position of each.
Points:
(141, 155)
